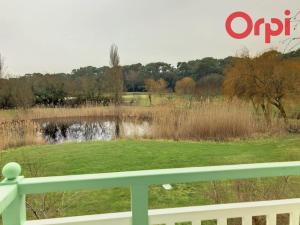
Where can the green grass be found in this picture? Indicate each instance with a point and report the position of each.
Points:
(136, 98)
(142, 98)
(128, 155)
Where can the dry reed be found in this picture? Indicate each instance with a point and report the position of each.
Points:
(80, 112)
(205, 120)
(19, 133)
(212, 120)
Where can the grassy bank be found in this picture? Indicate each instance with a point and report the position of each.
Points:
(101, 157)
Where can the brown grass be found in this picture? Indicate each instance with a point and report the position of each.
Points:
(89, 111)
(205, 120)
(212, 120)
(18, 133)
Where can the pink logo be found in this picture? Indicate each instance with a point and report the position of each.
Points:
(273, 29)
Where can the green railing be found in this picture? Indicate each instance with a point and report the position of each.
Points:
(14, 187)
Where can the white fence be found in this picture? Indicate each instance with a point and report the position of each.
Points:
(195, 215)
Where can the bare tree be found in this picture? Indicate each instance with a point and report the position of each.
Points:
(150, 85)
(155, 86)
(116, 78)
(265, 79)
(116, 84)
(186, 87)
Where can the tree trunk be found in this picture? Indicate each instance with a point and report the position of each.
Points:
(118, 121)
(282, 112)
(150, 99)
(255, 106)
(117, 128)
(266, 113)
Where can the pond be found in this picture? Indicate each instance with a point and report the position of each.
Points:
(87, 130)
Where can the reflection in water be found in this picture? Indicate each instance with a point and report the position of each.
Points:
(85, 131)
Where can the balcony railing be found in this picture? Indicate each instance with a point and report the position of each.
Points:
(14, 188)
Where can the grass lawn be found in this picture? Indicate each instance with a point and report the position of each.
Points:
(127, 155)
(142, 98)
(136, 98)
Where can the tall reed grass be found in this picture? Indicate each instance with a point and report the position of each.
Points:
(19, 133)
(206, 120)
(212, 120)
(124, 112)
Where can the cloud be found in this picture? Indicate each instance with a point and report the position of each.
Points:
(59, 35)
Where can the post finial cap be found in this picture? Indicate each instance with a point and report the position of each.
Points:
(11, 170)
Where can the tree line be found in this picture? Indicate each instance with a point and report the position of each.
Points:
(103, 85)
(95, 84)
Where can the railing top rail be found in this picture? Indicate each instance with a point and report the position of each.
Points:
(152, 177)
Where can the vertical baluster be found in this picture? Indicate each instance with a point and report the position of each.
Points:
(139, 204)
(271, 219)
(294, 218)
(247, 220)
(222, 221)
(15, 213)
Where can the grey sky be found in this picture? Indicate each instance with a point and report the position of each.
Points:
(59, 35)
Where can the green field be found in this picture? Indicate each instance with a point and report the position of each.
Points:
(128, 155)
(142, 98)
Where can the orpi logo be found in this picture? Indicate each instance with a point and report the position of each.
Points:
(272, 29)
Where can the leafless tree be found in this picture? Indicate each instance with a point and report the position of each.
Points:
(116, 84)
(155, 86)
(116, 81)
(186, 87)
(114, 56)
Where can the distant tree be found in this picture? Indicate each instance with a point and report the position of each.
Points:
(21, 93)
(210, 85)
(200, 68)
(267, 79)
(5, 94)
(158, 69)
(161, 86)
(84, 71)
(87, 88)
(49, 90)
(116, 84)
(153, 86)
(132, 79)
(116, 81)
(16, 93)
(186, 87)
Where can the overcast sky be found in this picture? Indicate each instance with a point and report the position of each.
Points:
(58, 35)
